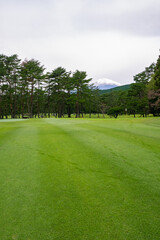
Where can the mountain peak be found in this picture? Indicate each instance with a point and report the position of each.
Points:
(105, 83)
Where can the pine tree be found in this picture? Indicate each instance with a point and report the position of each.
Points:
(156, 75)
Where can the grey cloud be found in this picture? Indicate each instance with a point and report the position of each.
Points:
(98, 36)
(144, 21)
(36, 19)
(51, 17)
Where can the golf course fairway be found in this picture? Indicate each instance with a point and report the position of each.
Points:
(80, 179)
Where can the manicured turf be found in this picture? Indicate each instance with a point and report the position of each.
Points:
(80, 179)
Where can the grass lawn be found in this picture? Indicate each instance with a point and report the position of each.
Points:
(80, 179)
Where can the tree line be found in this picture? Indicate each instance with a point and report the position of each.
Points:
(27, 92)
(143, 96)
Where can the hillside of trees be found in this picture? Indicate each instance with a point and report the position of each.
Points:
(119, 88)
(27, 92)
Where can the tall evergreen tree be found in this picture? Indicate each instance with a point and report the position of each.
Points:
(81, 89)
(156, 75)
(145, 76)
(9, 74)
(32, 76)
(137, 99)
(57, 87)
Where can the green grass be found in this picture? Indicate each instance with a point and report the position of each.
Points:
(80, 179)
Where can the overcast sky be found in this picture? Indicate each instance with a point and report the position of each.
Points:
(112, 39)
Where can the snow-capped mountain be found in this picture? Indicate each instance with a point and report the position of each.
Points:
(105, 83)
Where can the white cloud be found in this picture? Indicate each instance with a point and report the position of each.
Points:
(110, 55)
(108, 39)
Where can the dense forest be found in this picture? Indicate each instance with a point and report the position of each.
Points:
(27, 91)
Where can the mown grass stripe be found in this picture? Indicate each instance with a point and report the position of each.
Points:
(80, 179)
